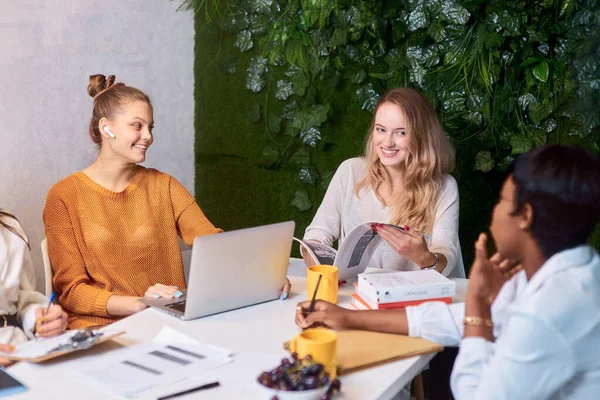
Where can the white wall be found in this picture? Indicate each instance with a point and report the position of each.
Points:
(48, 49)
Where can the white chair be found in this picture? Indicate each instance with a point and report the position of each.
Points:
(48, 273)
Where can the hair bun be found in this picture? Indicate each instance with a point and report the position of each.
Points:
(99, 83)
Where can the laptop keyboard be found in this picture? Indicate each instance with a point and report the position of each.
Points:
(179, 306)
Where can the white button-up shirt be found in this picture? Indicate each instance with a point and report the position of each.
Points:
(548, 341)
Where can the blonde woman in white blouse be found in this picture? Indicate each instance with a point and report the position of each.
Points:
(403, 179)
(20, 305)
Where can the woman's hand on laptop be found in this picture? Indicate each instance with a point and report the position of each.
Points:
(285, 292)
(163, 291)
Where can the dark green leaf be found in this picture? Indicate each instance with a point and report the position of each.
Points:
(431, 56)
(259, 25)
(399, 30)
(261, 6)
(289, 109)
(284, 90)
(273, 123)
(537, 112)
(258, 66)
(544, 48)
(483, 161)
(520, 144)
(541, 71)
(455, 13)
(270, 154)
(339, 37)
(414, 54)
(417, 74)
(236, 23)
(525, 100)
(550, 125)
(394, 59)
(299, 83)
(291, 130)
(311, 136)
(382, 76)
(437, 32)
(454, 102)
(358, 77)
(538, 137)
(255, 83)
(307, 176)
(367, 97)
(244, 41)
(301, 201)
(228, 64)
(313, 117)
(254, 112)
(417, 19)
(326, 179)
(301, 158)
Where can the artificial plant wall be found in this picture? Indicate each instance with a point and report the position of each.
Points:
(285, 92)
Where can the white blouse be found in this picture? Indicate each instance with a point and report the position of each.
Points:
(17, 285)
(341, 211)
(548, 345)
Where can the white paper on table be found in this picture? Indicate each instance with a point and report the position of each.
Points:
(170, 358)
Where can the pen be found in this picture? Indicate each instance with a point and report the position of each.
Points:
(312, 302)
(207, 386)
(40, 321)
(52, 296)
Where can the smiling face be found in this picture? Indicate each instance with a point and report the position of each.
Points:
(389, 136)
(132, 127)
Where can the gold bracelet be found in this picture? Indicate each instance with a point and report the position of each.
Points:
(476, 321)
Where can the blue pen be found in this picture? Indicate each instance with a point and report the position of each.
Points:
(52, 296)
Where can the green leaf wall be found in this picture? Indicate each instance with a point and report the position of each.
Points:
(284, 93)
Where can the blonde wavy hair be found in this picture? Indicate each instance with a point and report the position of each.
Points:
(430, 155)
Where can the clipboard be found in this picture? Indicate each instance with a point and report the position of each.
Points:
(37, 351)
(357, 350)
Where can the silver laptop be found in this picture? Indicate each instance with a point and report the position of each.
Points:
(232, 270)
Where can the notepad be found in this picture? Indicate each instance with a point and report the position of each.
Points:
(39, 350)
(358, 350)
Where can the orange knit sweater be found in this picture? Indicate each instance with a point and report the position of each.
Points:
(103, 243)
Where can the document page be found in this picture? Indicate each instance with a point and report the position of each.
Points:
(144, 367)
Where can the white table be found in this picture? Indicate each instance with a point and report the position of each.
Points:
(262, 328)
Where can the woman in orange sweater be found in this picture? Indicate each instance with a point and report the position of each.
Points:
(113, 227)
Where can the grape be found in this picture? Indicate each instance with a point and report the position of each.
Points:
(294, 374)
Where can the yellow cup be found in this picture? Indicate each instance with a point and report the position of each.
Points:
(328, 288)
(320, 343)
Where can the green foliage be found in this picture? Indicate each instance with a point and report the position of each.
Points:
(503, 75)
(506, 75)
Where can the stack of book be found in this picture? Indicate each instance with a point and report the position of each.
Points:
(385, 290)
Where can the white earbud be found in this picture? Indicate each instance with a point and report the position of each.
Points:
(112, 135)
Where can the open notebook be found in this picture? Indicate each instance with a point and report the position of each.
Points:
(361, 349)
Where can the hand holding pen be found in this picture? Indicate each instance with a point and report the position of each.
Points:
(51, 320)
